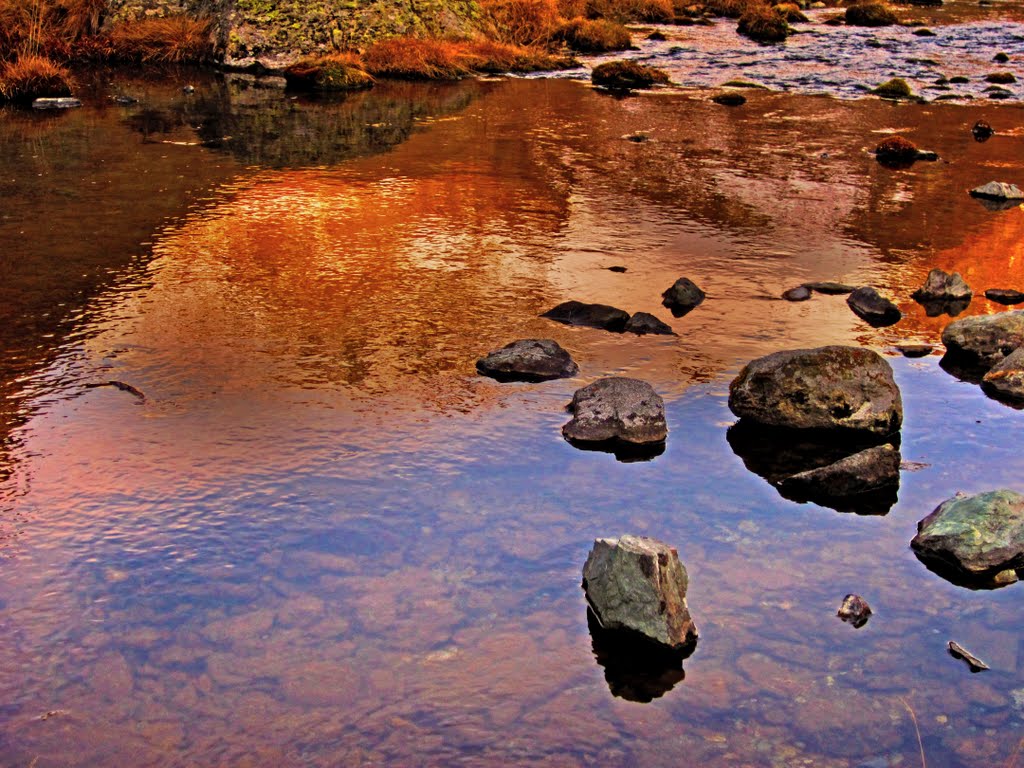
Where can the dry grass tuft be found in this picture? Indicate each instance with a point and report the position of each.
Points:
(896, 149)
(171, 40)
(733, 9)
(597, 36)
(336, 72)
(627, 76)
(521, 22)
(413, 58)
(46, 27)
(871, 14)
(30, 77)
(763, 24)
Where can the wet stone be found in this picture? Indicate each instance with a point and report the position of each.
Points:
(528, 360)
(616, 411)
(643, 323)
(943, 286)
(730, 99)
(984, 340)
(915, 350)
(1004, 296)
(998, 190)
(865, 472)
(591, 315)
(800, 293)
(682, 296)
(1006, 378)
(830, 288)
(854, 610)
(876, 310)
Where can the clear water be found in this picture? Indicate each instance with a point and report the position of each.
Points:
(321, 539)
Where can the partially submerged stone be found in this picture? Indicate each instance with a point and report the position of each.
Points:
(590, 315)
(998, 190)
(848, 389)
(528, 360)
(617, 410)
(984, 340)
(62, 102)
(897, 88)
(1006, 379)
(1005, 296)
(869, 305)
(864, 472)
(854, 610)
(627, 76)
(943, 286)
(643, 322)
(914, 350)
(682, 296)
(974, 538)
(830, 288)
(871, 13)
(638, 584)
(800, 293)
(730, 99)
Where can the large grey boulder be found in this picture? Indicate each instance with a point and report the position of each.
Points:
(1006, 379)
(943, 286)
(872, 307)
(682, 296)
(977, 538)
(984, 340)
(637, 583)
(848, 389)
(617, 409)
(866, 471)
(591, 315)
(528, 360)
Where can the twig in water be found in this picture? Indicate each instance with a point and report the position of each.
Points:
(119, 385)
(913, 718)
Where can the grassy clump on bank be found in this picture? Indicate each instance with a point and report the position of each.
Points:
(594, 35)
(763, 24)
(31, 77)
(871, 14)
(627, 76)
(337, 72)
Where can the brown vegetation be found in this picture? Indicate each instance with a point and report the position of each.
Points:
(594, 36)
(897, 88)
(337, 72)
(626, 76)
(763, 24)
(30, 77)
(171, 40)
(872, 13)
(733, 9)
(521, 22)
(430, 59)
(896, 149)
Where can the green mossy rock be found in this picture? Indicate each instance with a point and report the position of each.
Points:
(977, 537)
(897, 88)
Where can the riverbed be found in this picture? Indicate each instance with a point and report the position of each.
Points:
(313, 535)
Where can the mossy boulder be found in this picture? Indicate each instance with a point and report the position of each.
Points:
(627, 76)
(897, 88)
(763, 25)
(984, 340)
(328, 73)
(871, 14)
(594, 35)
(975, 538)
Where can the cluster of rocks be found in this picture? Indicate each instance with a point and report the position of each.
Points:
(988, 349)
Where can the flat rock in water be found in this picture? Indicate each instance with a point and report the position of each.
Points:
(62, 102)
(644, 322)
(617, 409)
(683, 296)
(943, 286)
(590, 315)
(976, 538)
(915, 350)
(984, 340)
(869, 305)
(800, 293)
(1004, 296)
(830, 288)
(848, 389)
(528, 360)
(854, 610)
(998, 190)
(638, 584)
(1006, 379)
(867, 471)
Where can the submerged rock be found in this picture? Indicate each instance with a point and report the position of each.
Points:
(682, 296)
(914, 350)
(998, 190)
(644, 322)
(617, 410)
(800, 293)
(1006, 379)
(590, 315)
(943, 286)
(638, 584)
(869, 305)
(730, 99)
(848, 389)
(830, 288)
(854, 610)
(983, 340)
(864, 472)
(982, 131)
(1004, 296)
(528, 360)
(974, 539)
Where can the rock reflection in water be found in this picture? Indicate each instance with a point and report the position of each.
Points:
(635, 668)
(787, 458)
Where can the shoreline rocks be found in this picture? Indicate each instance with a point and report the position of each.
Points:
(1005, 380)
(528, 360)
(983, 340)
(638, 584)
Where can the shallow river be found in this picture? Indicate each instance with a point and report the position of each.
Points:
(321, 539)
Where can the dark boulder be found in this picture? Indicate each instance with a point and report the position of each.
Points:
(867, 471)
(943, 286)
(1005, 380)
(846, 389)
(800, 293)
(682, 296)
(528, 360)
(730, 99)
(983, 340)
(627, 76)
(974, 540)
(590, 315)
(914, 350)
(643, 322)
(1004, 296)
(873, 308)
